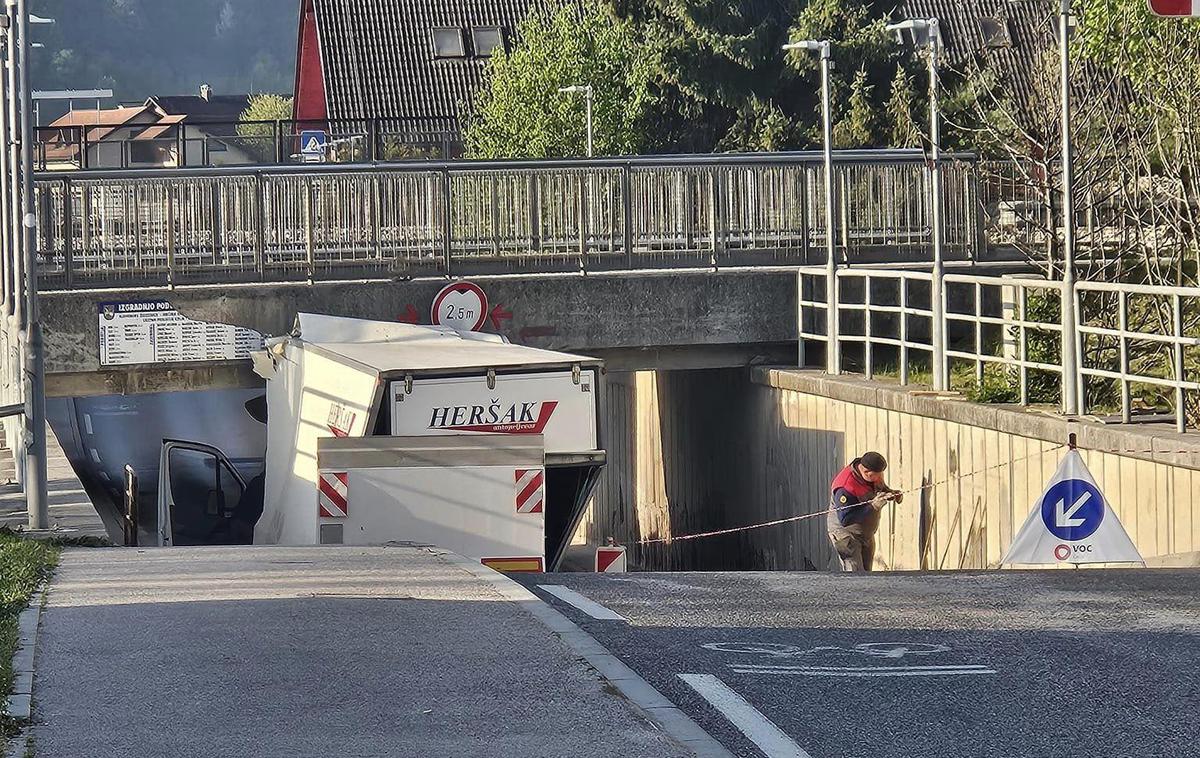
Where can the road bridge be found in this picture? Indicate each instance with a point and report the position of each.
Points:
(677, 261)
(270, 224)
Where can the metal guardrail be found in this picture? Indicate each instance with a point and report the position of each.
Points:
(1007, 338)
(199, 143)
(162, 227)
(1013, 325)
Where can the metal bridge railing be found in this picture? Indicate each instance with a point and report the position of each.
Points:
(1004, 337)
(159, 227)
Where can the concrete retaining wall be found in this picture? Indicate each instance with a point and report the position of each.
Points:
(709, 450)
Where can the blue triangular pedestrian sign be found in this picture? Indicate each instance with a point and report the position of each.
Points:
(312, 142)
(1072, 522)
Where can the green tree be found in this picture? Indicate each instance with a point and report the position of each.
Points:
(725, 83)
(521, 113)
(857, 128)
(900, 118)
(257, 127)
(268, 107)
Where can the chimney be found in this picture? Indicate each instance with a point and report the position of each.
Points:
(205, 91)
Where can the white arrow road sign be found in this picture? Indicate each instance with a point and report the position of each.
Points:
(1067, 518)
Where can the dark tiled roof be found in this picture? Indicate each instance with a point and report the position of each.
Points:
(1012, 37)
(196, 108)
(378, 61)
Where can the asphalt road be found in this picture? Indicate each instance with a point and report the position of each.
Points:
(290, 652)
(1005, 664)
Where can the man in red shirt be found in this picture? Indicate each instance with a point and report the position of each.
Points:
(858, 494)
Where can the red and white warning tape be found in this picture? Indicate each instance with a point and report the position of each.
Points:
(825, 510)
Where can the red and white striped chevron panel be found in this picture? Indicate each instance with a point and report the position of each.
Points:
(531, 490)
(332, 495)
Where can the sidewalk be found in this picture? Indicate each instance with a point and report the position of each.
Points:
(72, 514)
(309, 652)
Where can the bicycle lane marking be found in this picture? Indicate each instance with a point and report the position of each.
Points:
(887, 650)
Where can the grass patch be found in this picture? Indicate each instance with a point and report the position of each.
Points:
(24, 565)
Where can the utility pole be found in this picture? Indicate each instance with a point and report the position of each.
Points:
(591, 149)
(13, 360)
(15, 251)
(35, 397)
(925, 31)
(586, 91)
(833, 328)
(1070, 349)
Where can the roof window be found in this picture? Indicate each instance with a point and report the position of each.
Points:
(995, 33)
(448, 42)
(487, 40)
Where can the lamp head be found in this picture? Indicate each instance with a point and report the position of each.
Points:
(811, 45)
(923, 32)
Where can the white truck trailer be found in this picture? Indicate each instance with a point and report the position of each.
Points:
(383, 432)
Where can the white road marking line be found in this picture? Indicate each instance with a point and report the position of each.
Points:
(590, 607)
(804, 667)
(749, 720)
(87, 423)
(861, 672)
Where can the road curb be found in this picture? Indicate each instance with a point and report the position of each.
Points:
(658, 709)
(20, 702)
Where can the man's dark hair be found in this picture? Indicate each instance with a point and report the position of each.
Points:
(873, 462)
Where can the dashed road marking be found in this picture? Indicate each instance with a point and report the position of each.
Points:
(590, 607)
(759, 729)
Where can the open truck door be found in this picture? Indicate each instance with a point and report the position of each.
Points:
(200, 496)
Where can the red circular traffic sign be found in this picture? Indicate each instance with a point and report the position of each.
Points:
(461, 305)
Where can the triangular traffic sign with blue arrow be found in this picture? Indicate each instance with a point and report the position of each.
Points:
(1072, 522)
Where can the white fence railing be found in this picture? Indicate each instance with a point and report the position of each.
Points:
(1163, 321)
(1024, 332)
(876, 308)
(1009, 331)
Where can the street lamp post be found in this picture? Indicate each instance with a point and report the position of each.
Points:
(926, 33)
(1070, 352)
(35, 396)
(6, 187)
(586, 91)
(833, 352)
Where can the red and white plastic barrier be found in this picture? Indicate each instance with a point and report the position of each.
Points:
(610, 559)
